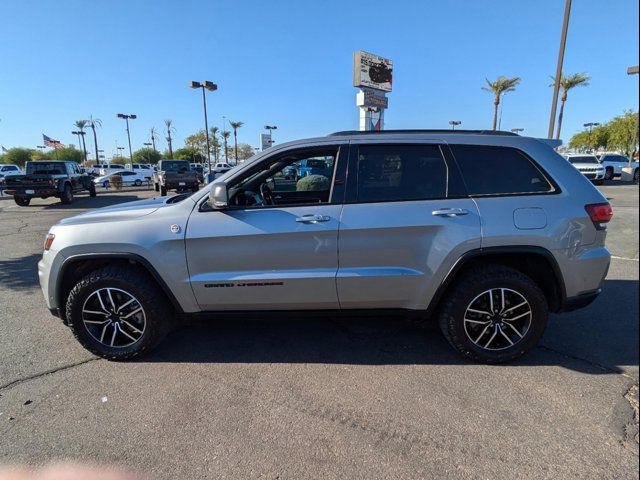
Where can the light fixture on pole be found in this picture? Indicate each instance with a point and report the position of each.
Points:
(206, 85)
(454, 123)
(271, 128)
(517, 130)
(126, 119)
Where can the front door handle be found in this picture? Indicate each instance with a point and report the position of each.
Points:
(312, 218)
(450, 212)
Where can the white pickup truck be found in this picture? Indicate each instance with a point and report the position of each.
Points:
(613, 164)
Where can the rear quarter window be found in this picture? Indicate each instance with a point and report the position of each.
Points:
(489, 170)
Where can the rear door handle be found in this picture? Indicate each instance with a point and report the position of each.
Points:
(450, 212)
(312, 218)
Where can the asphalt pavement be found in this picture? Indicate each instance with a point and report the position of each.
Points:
(321, 397)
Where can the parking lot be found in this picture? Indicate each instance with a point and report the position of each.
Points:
(320, 397)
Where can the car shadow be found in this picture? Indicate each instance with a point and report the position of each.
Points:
(578, 340)
(20, 273)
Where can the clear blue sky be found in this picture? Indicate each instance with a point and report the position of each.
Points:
(290, 63)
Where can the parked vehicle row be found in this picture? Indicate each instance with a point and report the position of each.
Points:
(613, 164)
(44, 179)
(412, 222)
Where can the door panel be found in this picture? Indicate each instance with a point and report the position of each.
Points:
(267, 258)
(395, 255)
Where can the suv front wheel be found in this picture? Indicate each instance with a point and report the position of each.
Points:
(494, 314)
(118, 313)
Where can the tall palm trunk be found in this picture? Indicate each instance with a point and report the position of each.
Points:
(170, 145)
(560, 115)
(235, 143)
(84, 148)
(95, 142)
(496, 102)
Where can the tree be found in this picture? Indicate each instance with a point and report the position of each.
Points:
(245, 151)
(623, 133)
(197, 142)
(188, 153)
(169, 124)
(67, 153)
(499, 87)
(146, 155)
(225, 137)
(81, 125)
(93, 123)
(17, 156)
(215, 143)
(119, 160)
(567, 82)
(235, 126)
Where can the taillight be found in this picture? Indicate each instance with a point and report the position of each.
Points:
(600, 214)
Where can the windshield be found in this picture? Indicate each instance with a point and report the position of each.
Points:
(584, 159)
(176, 166)
(45, 168)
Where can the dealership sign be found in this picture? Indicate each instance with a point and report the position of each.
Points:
(371, 98)
(372, 71)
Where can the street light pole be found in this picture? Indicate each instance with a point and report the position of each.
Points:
(126, 119)
(556, 86)
(517, 130)
(206, 85)
(590, 126)
(454, 123)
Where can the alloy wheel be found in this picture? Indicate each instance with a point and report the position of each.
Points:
(114, 317)
(497, 319)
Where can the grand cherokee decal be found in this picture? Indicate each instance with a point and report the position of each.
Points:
(243, 284)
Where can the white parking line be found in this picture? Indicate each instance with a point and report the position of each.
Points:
(624, 258)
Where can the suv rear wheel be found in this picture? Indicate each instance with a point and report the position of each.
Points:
(118, 313)
(494, 314)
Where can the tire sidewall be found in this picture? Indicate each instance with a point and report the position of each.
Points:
(90, 284)
(539, 318)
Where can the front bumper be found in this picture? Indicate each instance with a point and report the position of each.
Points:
(580, 301)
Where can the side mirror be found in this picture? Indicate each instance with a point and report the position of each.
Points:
(218, 197)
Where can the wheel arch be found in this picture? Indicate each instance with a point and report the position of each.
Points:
(536, 262)
(77, 266)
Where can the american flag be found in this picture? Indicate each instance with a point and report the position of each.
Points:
(50, 142)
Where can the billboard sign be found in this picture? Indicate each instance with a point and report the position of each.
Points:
(372, 71)
(265, 141)
(371, 98)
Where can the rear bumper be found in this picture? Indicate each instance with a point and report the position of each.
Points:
(37, 192)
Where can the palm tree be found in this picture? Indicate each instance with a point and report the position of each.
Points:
(225, 136)
(93, 123)
(169, 124)
(567, 83)
(81, 125)
(236, 126)
(499, 87)
(213, 134)
(154, 134)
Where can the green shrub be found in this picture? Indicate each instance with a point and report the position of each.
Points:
(312, 183)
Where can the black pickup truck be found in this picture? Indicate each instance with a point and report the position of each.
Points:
(49, 178)
(175, 175)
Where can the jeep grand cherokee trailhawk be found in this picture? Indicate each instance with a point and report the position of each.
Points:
(487, 232)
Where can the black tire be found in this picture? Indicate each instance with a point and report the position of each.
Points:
(598, 182)
(636, 175)
(92, 190)
(163, 191)
(156, 187)
(608, 173)
(471, 286)
(22, 201)
(67, 195)
(156, 311)
(138, 183)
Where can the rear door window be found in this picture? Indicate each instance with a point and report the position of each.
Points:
(489, 170)
(400, 172)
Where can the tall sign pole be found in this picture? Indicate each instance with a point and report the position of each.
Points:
(373, 75)
(558, 77)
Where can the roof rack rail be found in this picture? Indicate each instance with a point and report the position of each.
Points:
(440, 131)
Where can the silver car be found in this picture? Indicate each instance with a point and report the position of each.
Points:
(486, 232)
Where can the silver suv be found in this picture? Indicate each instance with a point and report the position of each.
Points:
(487, 232)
